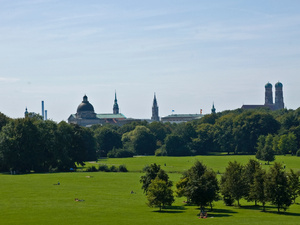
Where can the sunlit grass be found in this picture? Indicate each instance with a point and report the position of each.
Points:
(107, 198)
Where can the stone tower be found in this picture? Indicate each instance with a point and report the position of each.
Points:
(155, 116)
(279, 96)
(116, 106)
(268, 94)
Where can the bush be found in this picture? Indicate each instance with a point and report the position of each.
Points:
(104, 168)
(122, 168)
(91, 169)
(119, 153)
(298, 153)
(113, 169)
(228, 200)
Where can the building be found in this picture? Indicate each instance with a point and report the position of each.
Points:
(180, 118)
(155, 116)
(279, 104)
(86, 116)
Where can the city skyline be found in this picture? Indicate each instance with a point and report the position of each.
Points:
(190, 53)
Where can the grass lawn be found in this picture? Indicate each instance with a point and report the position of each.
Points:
(34, 199)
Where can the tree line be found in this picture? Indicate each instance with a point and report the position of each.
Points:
(31, 144)
(200, 186)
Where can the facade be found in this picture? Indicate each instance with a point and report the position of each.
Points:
(180, 118)
(279, 104)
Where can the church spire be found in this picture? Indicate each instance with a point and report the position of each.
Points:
(213, 109)
(116, 106)
(155, 116)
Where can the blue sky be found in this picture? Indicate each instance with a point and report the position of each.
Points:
(191, 53)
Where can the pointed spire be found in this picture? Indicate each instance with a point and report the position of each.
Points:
(213, 109)
(155, 116)
(116, 106)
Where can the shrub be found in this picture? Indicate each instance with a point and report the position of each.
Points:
(298, 153)
(113, 169)
(91, 169)
(122, 168)
(104, 168)
(119, 153)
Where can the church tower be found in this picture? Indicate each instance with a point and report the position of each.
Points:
(279, 96)
(116, 106)
(268, 94)
(155, 116)
(213, 109)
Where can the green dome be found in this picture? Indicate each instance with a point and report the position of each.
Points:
(278, 84)
(268, 85)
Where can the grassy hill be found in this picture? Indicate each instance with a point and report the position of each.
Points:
(107, 198)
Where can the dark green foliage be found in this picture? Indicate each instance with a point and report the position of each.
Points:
(257, 190)
(265, 150)
(233, 184)
(175, 145)
(119, 153)
(152, 172)
(159, 193)
(123, 168)
(250, 169)
(107, 139)
(294, 184)
(199, 185)
(91, 169)
(140, 140)
(103, 168)
(298, 153)
(278, 187)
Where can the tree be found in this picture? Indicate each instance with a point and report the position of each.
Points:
(176, 146)
(278, 187)
(265, 148)
(294, 183)
(140, 140)
(233, 184)
(152, 172)
(249, 172)
(257, 190)
(159, 193)
(107, 139)
(18, 146)
(199, 185)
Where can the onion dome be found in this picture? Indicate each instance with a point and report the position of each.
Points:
(278, 85)
(85, 106)
(268, 85)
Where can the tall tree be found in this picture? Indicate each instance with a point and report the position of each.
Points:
(152, 172)
(199, 185)
(249, 172)
(294, 183)
(265, 150)
(159, 193)
(278, 188)
(233, 182)
(257, 190)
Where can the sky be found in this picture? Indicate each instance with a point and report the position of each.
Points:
(191, 53)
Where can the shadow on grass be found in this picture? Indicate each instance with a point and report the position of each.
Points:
(283, 213)
(219, 213)
(171, 209)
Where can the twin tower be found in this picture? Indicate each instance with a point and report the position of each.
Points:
(278, 96)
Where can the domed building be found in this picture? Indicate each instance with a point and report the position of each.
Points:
(86, 116)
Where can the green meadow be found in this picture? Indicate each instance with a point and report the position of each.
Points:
(107, 198)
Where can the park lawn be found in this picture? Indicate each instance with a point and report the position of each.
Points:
(180, 164)
(35, 199)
